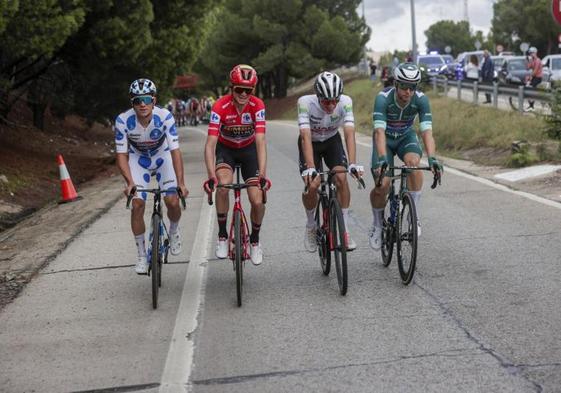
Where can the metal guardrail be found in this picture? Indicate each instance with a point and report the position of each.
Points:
(521, 92)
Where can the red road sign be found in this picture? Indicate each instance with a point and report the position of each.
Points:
(556, 10)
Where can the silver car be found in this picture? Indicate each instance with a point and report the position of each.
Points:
(552, 70)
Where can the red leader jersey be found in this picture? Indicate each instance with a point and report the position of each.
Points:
(237, 130)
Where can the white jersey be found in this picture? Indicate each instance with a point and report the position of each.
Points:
(159, 136)
(323, 125)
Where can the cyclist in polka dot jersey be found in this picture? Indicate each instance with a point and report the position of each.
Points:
(147, 145)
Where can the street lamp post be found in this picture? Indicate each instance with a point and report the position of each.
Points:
(414, 48)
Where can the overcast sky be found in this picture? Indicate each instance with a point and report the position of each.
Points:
(390, 20)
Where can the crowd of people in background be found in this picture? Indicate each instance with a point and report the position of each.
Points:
(191, 111)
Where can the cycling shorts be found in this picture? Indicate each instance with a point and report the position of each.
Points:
(227, 157)
(331, 150)
(144, 167)
(407, 143)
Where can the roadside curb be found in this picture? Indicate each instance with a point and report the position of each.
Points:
(37, 240)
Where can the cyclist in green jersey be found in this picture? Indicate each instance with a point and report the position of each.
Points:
(395, 110)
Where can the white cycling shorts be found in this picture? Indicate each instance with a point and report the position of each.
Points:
(143, 168)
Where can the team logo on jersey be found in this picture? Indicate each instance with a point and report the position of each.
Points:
(302, 109)
(348, 108)
(214, 118)
(246, 118)
(260, 116)
(156, 133)
(118, 135)
(334, 118)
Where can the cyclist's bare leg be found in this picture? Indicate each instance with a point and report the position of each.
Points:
(224, 176)
(378, 194)
(137, 217)
(255, 196)
(342, 184)
(310, 198)
(172, 204)
(415, 178)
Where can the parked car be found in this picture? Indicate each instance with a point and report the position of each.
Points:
(514, 71)
(498, 62)
(457, 69)
(552, 70)
(432, 65)
(448, 58)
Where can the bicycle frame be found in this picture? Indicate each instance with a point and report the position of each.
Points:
(244, 227)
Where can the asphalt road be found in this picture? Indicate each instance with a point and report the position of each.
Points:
(482, 314)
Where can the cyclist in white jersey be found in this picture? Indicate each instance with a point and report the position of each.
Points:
(147, 145)
(319, 117)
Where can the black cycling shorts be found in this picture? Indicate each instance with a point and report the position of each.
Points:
(331, 150)
(227, 157)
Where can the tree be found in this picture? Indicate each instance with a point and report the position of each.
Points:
(31, 34)
(516, 21)
(445, 33)
(292, 38)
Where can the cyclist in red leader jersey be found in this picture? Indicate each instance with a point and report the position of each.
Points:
(236, 135)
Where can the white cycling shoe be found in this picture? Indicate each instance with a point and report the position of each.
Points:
(256, 254)
(175, 243)
(141, 266)
(375, 237)
(310, 239)
(351, 245)
(222, 248)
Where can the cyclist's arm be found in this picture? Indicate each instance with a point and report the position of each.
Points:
(428, 141)
(307, 149)
(261, 146)
(210, 155)
(177, 162)
(123, 165)
(349, 132)
(379, 138)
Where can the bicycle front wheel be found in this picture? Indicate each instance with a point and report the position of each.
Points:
(238, 259)
(388, 235)
(155, 259)
(338, 244)
(407, 239)
(322, 218)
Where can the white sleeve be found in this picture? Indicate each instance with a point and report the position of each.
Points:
(348, 116)
(171, 131)
(303, 113)
(121, 140)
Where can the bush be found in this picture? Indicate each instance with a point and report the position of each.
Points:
(553, 121)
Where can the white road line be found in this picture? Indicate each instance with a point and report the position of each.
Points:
(180, 354)
(481, 180)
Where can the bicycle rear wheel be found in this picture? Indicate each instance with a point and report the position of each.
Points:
(388, 235)
(238, 259)
(407, 239)
(155, 259)
(339, 246)
(322, 221)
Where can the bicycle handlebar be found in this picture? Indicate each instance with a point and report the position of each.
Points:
(437, 178)
(232, 186)
(332, 172)
(134, 190)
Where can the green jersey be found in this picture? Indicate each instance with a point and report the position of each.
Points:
(397, 121)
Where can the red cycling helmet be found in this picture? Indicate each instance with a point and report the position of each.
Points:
(243, 75)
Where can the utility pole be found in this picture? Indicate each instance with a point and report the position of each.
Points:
(466, 15)
(414, 48)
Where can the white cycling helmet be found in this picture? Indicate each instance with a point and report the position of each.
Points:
(141, 87)
(328, 86)
(407, 73)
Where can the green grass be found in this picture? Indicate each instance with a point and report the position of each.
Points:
(462, 130)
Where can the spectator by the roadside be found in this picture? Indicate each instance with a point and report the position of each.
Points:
(373, 68)
(472, 68)
(487, 73)
(535, 64)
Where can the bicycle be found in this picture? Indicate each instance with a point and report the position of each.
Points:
(400, 221)
(238, 241)
(331, 235)
(158, 238)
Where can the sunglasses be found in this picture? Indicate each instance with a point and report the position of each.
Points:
(147, 100)
(241, 90)
(407, 86)
(325, 101)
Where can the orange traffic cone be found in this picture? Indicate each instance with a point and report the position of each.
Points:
(68, 191)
